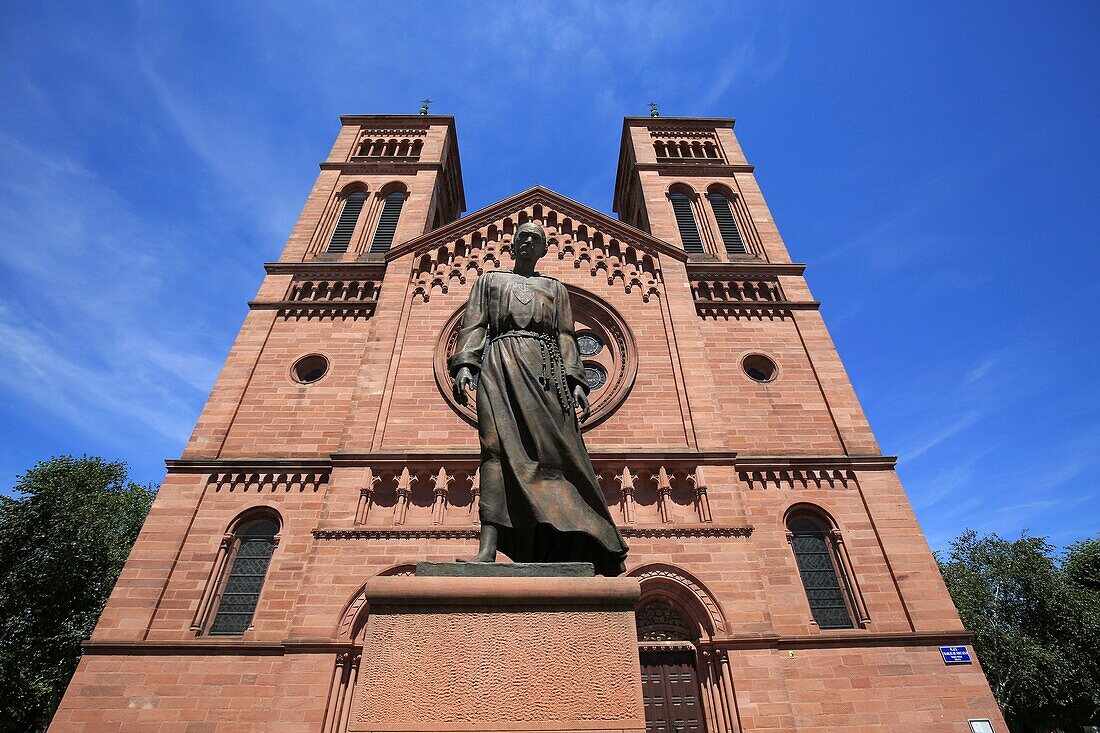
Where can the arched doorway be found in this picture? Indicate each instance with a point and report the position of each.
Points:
(670, 679)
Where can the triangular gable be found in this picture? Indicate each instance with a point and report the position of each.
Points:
(588, 238)
(566, 208)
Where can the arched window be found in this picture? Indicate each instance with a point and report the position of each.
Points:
(822, 573)
(345, 226)
(727, 224)
(685, 221)
(387, 222)
(253, 544)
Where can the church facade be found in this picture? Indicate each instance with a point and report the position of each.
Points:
(785, 582)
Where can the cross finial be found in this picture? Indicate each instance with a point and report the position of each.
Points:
(424, 106)
(653, 111)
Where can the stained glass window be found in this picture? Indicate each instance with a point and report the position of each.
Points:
(596, 376)
(589, 344)
(813, 553)
(255, 541)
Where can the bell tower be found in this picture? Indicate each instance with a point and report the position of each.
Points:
(387, 179)
(686, 180)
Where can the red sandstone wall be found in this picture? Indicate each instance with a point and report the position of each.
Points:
(380, 396)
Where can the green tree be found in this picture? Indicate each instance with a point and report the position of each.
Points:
(1036, 624)
(64, 537)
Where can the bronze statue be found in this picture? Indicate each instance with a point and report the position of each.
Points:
(540, 500)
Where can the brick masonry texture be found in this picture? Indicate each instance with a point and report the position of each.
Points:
(369, 469)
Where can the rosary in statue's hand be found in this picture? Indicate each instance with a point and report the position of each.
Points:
(582, 402)
(464, 380)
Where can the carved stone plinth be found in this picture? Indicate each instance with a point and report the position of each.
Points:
(499, 654)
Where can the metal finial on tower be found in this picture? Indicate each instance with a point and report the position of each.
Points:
(424, 106)
(653, 111)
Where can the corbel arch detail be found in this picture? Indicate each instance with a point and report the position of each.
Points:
(586, 239)
(687, 592)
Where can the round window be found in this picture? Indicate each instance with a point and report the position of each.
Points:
(309, 369)
(759, 368)
(595, 375)
(589, 344)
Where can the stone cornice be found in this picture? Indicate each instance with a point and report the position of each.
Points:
(856, 638)
(763, 305)
(852, 463)
(640, 455)
(327, 268)
(698, 167)
(203, 465)
(406, 120)
(662, 121)
(748, 269)
(471, 532)
(847, 638)
(216, 646)
(368, 166)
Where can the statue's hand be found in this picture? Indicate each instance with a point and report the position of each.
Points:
(582, 402)
(464, 380)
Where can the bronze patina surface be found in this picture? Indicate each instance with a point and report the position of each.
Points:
(540, 499)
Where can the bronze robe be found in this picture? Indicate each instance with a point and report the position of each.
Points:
(537, 483)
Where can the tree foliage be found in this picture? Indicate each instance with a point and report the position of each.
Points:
(64, 537)
(1036, 623)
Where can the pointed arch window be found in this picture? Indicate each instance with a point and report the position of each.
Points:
(685, 221)
(727, 224)
(253, 544)
(387, 222)
(828, 589)
(345, 226)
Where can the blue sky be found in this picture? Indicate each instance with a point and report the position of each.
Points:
(935, 164)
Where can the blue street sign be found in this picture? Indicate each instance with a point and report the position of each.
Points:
(955, 655)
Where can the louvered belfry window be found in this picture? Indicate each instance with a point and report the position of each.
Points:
(817, 566)
(345, 227)
(254, 544)
(727, 224)
(387, 222)
(685, 220)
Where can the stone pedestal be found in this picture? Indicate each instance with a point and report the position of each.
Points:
(499, 653)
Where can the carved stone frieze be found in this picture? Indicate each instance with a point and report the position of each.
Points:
(268, 482)
(584, 241)
(801, 478)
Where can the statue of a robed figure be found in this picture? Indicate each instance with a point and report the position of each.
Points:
(540, 499)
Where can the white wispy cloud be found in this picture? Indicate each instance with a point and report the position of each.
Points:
(956, 425)
(74, 326)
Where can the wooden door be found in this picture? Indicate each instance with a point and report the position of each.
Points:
(670, 690)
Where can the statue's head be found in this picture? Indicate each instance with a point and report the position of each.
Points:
(529, 243)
